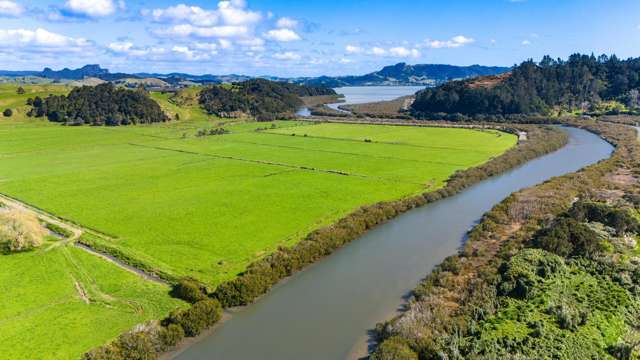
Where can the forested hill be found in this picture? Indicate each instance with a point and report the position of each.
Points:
(261, 98)
(100, 105)
(581, 83)
(404, 74)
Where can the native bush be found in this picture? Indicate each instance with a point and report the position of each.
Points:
(394, 348)
(617, 218)
(189, 290)
(519, 276)
(568, 238)
(197, 318)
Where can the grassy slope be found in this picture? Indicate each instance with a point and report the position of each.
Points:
(192, 210)
(42, 314)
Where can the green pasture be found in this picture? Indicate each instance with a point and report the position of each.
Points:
(185, 205)
(208, 206)
(43, 314)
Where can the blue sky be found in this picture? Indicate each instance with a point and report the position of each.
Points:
(307, 37)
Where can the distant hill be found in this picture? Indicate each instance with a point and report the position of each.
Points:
(87, 71)
(404, 74)
(394, 75)
(264, 99)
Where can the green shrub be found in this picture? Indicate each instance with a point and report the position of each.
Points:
(394, 348)
(138, 346)
(519, 276)
(568, 238)
(171, 335)
(189, 290)
(617, 218)
(197, 318)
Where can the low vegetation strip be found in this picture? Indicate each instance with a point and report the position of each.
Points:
(496, 298)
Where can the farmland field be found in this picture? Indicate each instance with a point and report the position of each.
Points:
(186, 205)
(43, 314)
(193, 206)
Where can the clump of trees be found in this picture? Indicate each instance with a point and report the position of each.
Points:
(19, 231)
(569, 236)
(103, 104)
(260, 98)
(7, 113)
(536, 88)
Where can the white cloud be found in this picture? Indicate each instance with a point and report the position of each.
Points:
(455, 42)
(129, 49)
(345, 61)
(10, 8)
(377, 51)
(225, 44)
(404, 52)
(41, 40)
(228, 12)
(352, 49)
(187, 30)
(93, 8)
(287, 23)
(287, 56)
(194, 15)
(190, 54)
(526, 42)
(282, 35)
(233, 13)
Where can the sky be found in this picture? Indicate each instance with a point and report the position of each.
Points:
(293, 38)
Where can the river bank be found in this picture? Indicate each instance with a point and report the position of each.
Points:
(258, 314)
(254, 283)
(439, 313)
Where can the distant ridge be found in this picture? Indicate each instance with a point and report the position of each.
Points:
(404, 74)
(393, 75)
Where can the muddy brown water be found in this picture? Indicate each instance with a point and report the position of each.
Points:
(326, 311)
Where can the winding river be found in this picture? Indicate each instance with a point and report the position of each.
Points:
(325, 311)
(366, 94)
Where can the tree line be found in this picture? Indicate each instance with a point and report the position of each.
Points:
(259, 97)
(103, 104)
(579, 83)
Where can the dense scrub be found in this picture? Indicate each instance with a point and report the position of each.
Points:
(539, 277)
(580, 83)
(260, 98)
(263, 274)
(100, 105)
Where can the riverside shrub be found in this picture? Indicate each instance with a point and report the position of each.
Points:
(189, 290)
(197, 318)
(394, 348)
